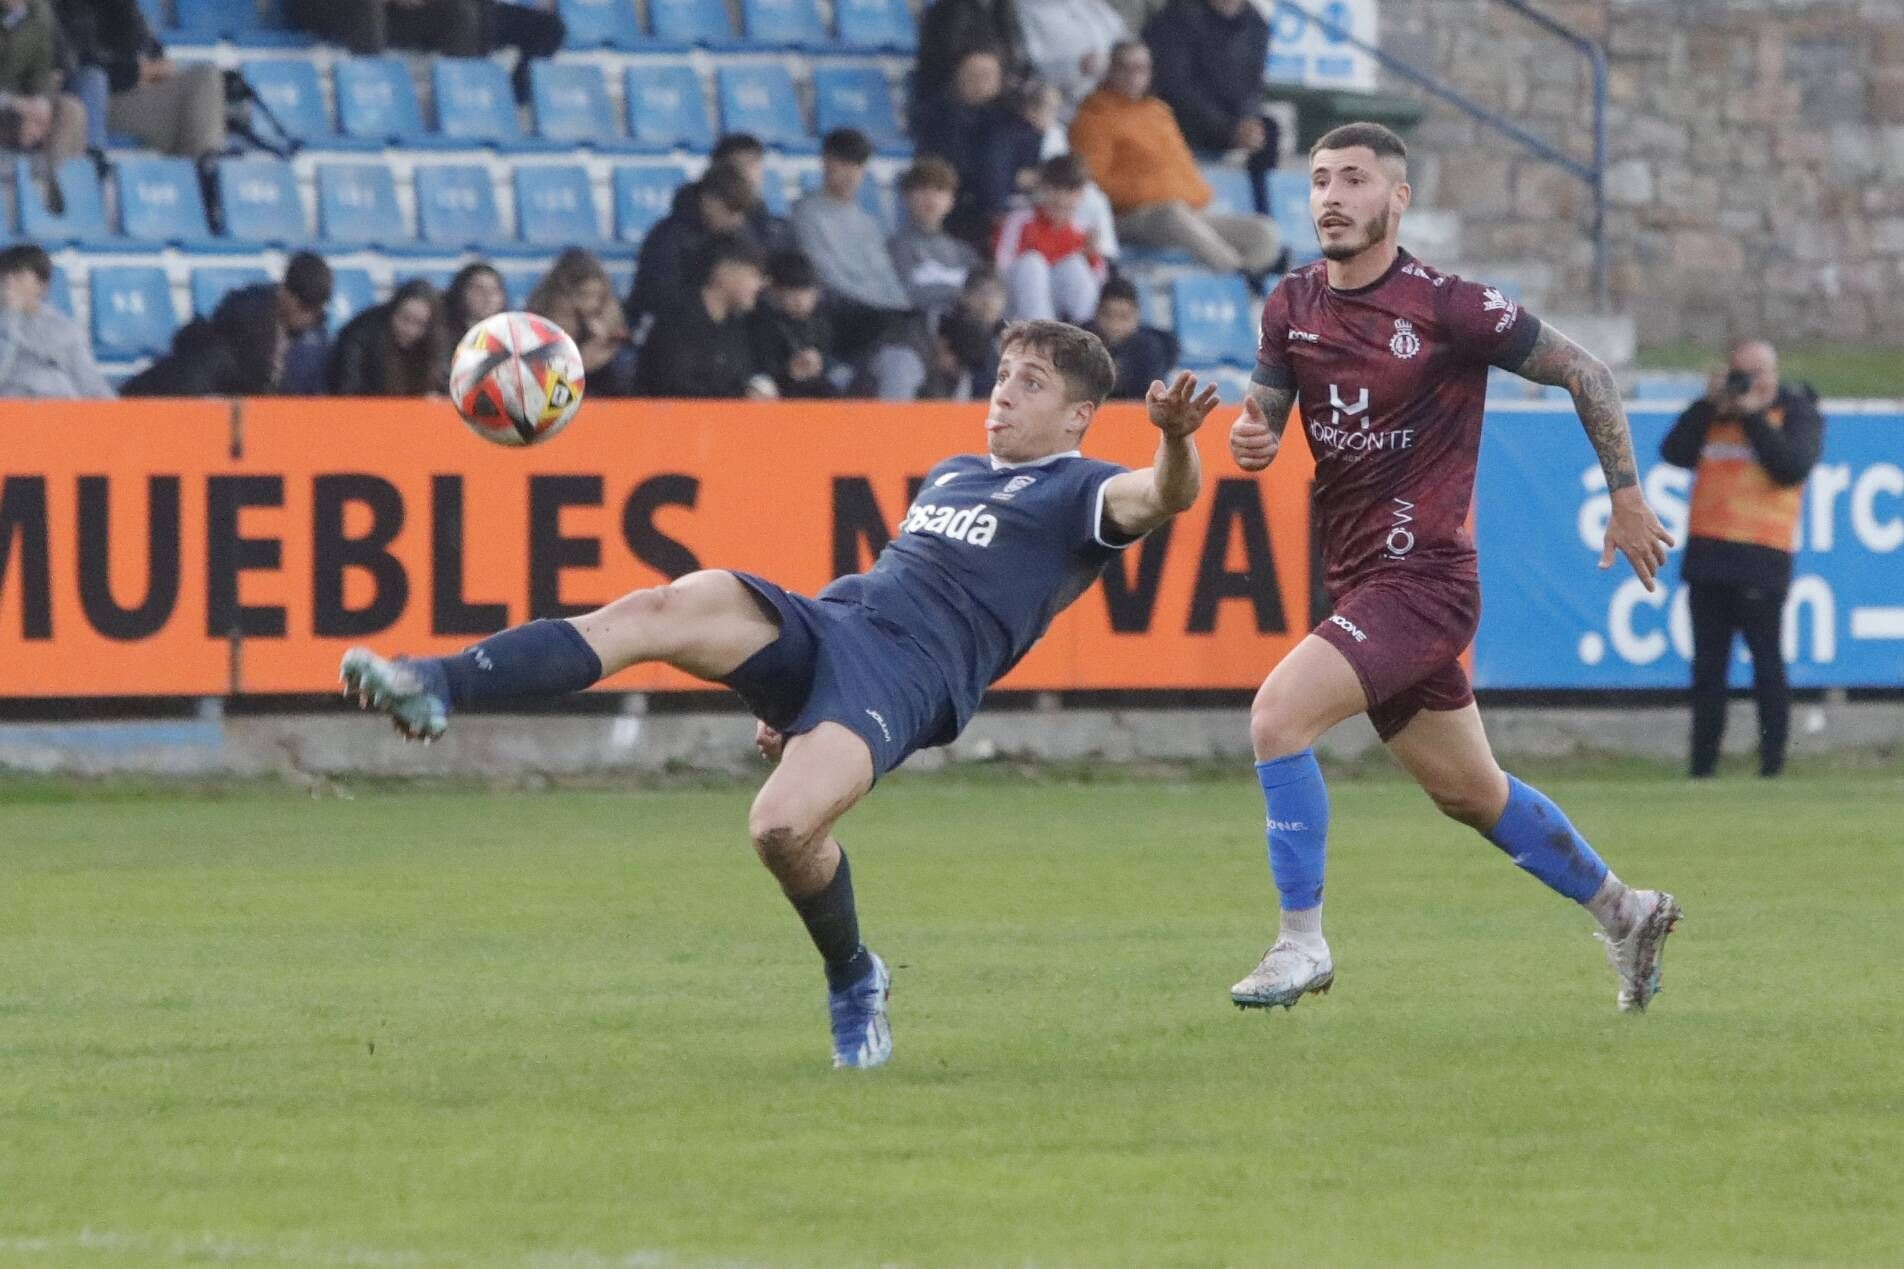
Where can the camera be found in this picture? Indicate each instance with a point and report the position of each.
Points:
(1738, 382)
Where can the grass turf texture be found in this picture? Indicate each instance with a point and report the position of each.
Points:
(582, 1029)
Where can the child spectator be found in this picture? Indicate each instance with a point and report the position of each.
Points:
(931, 262)
(791, 336)
(701, 346)
(1050, 267)
(1142, 354)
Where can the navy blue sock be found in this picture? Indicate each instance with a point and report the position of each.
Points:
(833, 923)
(542, 658)
(1297, 803)
(1537, 835)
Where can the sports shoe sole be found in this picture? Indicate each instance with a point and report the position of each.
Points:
(366, 676)
(1288, 999)
(1660, 923)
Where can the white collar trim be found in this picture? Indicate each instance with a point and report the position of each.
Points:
(999, 464)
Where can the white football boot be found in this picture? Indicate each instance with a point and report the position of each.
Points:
(1288, 972)
(1636, 957)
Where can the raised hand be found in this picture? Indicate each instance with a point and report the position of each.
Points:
(1253, 442)
(1179, 410)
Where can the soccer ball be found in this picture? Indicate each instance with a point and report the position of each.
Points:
(516, 379)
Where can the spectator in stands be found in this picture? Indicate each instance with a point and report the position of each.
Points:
(701, 345)
(35, 116)
(1143, 354)
(400, 348)
(304, 311)
(43, 352)
(474, 293)
(236, 352)
(1068, 43)
(532, 27)
(743, 152)
(965, 346)
(717, 205)
(1031, 136)
(1209, 56)
(130, 87)
(964, 125)
(1751, 442)
(1137, 13)
(931, 262)
(1049, 265)
(950, 29)
(576, 295)
(1131, 143)
(791, 336)
(454, 28)
(871, 314)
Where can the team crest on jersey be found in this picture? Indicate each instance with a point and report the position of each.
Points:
(1405, 343)
(1013, 485)
(1492, 301)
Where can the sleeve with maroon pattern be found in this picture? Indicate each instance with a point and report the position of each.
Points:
(1486, 325)
(1272, 346)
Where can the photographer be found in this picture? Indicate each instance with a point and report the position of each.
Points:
(1751, 442)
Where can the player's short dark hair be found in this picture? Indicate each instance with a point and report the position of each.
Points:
(308, 279)
(725, 185)
(1062, 171)
(1078, 355)
(1373, 135)
(792, 270)
(734, 145)
(1119, 289)
(848, 145)
(929, 171)
(25, 257)
(724, 249)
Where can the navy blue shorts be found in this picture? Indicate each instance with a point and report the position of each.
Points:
(835, 662)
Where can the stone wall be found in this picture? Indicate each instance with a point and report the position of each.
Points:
(1755, 152)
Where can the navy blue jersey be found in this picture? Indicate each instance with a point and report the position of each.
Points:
(985, 558)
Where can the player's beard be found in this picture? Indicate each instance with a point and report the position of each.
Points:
(1374, 230)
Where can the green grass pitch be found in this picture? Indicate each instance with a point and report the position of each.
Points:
(581, 1029)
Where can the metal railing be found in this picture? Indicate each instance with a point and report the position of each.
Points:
(1593, 174)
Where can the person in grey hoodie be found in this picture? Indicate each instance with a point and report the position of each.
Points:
(932, 263)
(43, 352)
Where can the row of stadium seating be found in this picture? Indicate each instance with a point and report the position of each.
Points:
(859, 26)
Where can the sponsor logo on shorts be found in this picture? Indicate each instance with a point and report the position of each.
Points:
(481, 659)
(883, 729)
(1350, 626)
(1401, 538)
(975, 526)
(1287, 826)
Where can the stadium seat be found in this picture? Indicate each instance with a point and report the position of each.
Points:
(555, 206)
(667, 109)
(858, 97)
(1213, 320)
(377, 101)
(456, 206)
(784, 24)
(290, 88)
(357, 205)
(260, 201)
(351, 293)
(160, 201)
(571, 105)
(436, 276)
(132, 311)
(597, 24)
(59, 292)
(875, 198)
(694, 23)
(244, 22)
(474, 102)
(212, 283)
(84, 219)
(518, 284)
(1289, 207)
(643, 196)
(759, 98)
(883, 26)
(773, 190)
(1230, 191)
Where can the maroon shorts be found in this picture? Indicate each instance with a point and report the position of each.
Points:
(1404, 634)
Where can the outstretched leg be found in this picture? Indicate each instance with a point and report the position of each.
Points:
(1447, 753)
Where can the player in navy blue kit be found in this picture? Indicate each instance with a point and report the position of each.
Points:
(881, 663)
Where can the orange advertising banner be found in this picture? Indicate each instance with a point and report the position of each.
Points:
(203, 548)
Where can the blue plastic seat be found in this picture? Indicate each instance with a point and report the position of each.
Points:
(643, 196)
(1289, 207)
(212, 283)
(1230, 192)
(1213, 320)
(760, 99)
(555, 206)
(517, 284)
(858, 97)
(571, 105)
(784, 24)
(377, 101)
(437, 277)
(351, 293)
(883, 26)
(245, 22)
(773, 190)
(667, 108)
(261, 203)
(695, 23)
(357, 205)
(593, 24)
(160, 201)
(290, 87)
(84, 219)
(456, 206)
(132, 311)
(59, 292)
(474, 102)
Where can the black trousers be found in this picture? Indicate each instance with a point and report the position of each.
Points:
(1718, 612)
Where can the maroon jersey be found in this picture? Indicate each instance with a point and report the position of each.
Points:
(1391, 379)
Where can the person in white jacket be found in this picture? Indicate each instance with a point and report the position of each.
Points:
(1068, 43)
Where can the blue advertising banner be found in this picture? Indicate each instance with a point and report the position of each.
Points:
(1551, 619)
(1305, 52)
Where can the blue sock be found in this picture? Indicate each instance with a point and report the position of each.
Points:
(832, 922)
(542, 658)
(1537, 835)
(1298, 805)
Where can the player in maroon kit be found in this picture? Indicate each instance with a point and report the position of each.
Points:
(1388, 361)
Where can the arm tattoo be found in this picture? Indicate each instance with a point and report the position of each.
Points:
(1275, 403)
(1555, 359)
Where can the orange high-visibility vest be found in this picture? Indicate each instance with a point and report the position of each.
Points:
(1734, 499)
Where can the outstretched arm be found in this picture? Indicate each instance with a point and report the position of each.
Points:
(1136, 502)
(1257, 434)
(1632, 529)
